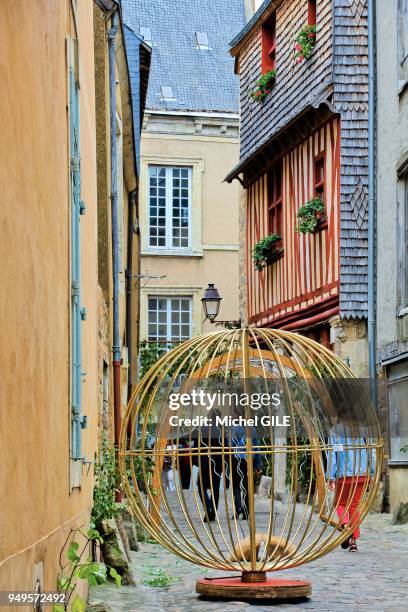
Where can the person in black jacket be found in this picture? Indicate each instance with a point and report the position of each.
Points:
(209, 464)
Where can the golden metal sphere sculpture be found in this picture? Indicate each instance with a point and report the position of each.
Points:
(193, 439)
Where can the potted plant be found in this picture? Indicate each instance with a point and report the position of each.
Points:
(267, 250)
(305, 42)
(310, 215)
(263, 86)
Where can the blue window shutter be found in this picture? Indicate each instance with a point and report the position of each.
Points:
(76, 318)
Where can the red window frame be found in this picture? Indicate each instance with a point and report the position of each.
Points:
(312, 12)
(275, 200)
(319, 182)
(269, 44)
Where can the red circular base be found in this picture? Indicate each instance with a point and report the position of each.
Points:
(234, 588)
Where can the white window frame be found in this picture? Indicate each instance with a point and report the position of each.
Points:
(169, 298)
(397, 375)
(169, 206)
(402, 241)
(402, 44)
(198, 168)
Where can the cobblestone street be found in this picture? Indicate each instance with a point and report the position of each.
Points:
(373, 579)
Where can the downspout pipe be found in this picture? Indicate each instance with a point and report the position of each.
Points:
(116, 349)
(372, 326)
(129, 277)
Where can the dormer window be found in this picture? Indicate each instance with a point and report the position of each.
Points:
(146, 34)
(269, 44)
(167, 93)
(202, 41)
(311, 12)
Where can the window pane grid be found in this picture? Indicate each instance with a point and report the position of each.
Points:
(169, 319)
(169, 207)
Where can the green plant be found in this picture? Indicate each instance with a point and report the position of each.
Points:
(308, 215)
(305, 41)
(106, 482)
(263, 86)
(156, 577)
(74, 568)
(147, 462)
(149, 354)
(265, 249)
(304, 471)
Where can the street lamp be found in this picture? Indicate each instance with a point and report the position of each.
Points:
(211, 304)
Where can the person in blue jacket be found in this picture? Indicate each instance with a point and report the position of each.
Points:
(349, 469)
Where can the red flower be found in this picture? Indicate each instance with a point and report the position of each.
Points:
(311, 35)
(258, 93)
(267, 91)
(298, 47)
(300, 59)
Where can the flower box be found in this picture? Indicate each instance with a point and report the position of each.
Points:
(263, 86)
(267, 251)
(311, 216)
(305, 42)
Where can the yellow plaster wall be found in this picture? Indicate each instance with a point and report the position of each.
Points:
(35, 307)
(215, 209)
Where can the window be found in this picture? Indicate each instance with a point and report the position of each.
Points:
(275, 201)
(319, 185)
(402, 43)
(404, 265)
(398, 404)
(202, 41)
(169, 207)
(269, 44)
(146, 34)
(167, 93)
(77, 312)
(169, 319)
(319, 177)
(402, 238)
(311, 12)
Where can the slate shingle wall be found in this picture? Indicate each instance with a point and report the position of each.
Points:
(296, 85)
(133, 54)
(351, 100)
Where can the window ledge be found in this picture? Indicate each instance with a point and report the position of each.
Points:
(402, 87)
(173, 252)
(402, 312)
(398, 463)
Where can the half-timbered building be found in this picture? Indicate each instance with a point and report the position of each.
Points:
(304, 138)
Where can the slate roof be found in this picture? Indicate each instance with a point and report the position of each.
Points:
(138, 56)
(201, 80)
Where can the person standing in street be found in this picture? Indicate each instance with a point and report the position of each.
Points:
(348, 475)
(239, 464)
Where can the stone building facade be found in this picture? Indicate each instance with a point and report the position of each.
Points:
(392, 233)
(190, 137)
